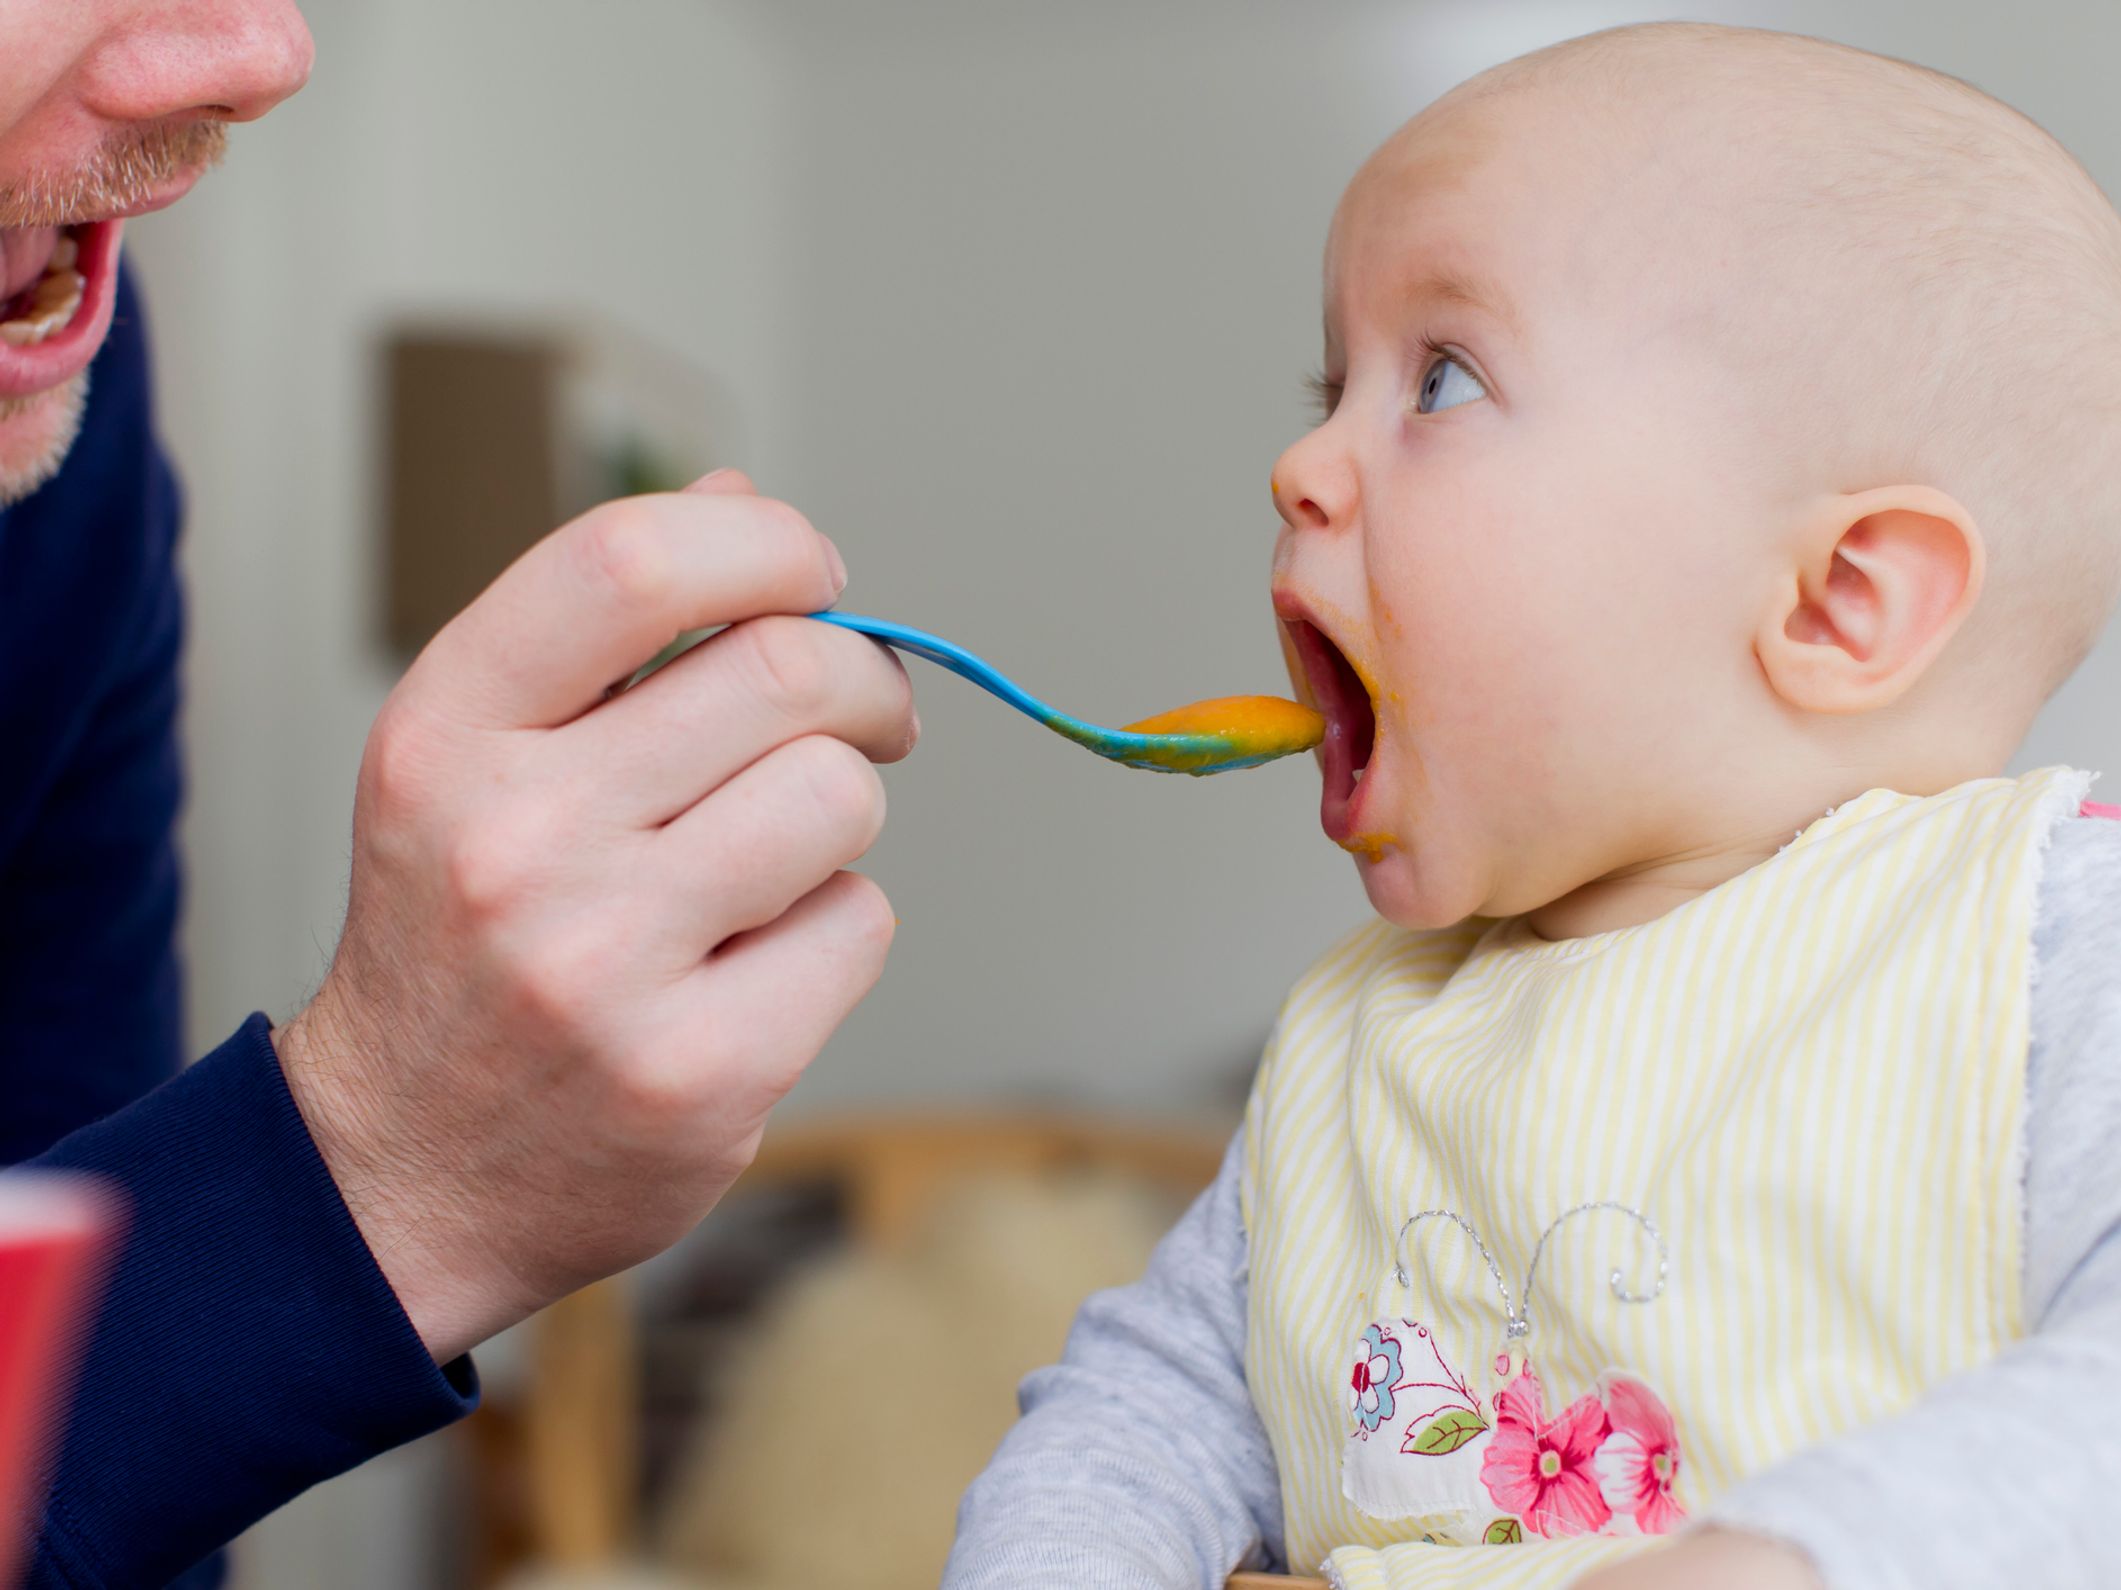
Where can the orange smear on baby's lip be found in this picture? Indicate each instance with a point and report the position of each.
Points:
(1253, 720)
(1371, 847)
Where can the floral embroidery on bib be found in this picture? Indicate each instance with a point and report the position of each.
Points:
(1426, 1445)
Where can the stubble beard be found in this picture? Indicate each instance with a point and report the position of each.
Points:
(36, 434)
(38, 428)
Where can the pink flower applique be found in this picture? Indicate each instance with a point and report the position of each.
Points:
(1639, 1462)
(1541, 1469)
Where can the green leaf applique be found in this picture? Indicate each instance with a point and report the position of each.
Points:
(1504, 1532)
(1447, 1434)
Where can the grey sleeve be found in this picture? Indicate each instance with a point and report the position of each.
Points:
(1139, 1463)
(2008, 1473)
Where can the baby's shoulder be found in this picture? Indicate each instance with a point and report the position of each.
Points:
(2076, 990)
(2080, 885)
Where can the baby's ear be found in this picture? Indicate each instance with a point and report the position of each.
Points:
(1879, 582)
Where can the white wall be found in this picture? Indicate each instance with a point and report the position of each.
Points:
(1014, 300)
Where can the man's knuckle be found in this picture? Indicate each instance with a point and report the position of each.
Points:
(625, 551)
(647, 1089)
(845, 787)
(794, 668)
(559, 979)
(397, 764)
(488, 868)
(792, 539)
(784, 522)
(740, 1155)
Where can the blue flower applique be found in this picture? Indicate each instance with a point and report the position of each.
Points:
(1375, 1378)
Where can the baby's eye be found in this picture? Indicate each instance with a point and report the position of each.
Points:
(1446, 384)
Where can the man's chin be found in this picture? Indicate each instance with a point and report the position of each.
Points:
(36, 433)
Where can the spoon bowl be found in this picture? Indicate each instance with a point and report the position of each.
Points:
(1218, 736)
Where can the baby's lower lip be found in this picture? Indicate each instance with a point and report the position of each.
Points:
(1351, 728)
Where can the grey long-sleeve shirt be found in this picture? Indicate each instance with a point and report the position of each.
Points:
(1141, 1464)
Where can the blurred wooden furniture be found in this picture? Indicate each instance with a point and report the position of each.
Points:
(555, 1479)
(472, 467)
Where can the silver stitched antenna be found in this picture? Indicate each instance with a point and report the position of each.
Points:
(1517, 1321)
(1613, 1276)
(1405, 1277)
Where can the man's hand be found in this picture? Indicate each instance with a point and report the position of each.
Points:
(1709, 1559)
(590, 942)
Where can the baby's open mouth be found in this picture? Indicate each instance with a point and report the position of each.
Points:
(1337, 691)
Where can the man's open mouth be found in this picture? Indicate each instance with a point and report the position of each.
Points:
(56, 295)
(46, 304)
(1337, 691)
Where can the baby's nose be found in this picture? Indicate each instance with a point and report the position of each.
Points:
(1313, 485)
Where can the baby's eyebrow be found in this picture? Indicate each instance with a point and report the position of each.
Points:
(1456, 287)
(1443, 284)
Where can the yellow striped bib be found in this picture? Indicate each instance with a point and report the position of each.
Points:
(1552, 1242)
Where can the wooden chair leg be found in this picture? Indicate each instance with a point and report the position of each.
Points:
(582, 1434)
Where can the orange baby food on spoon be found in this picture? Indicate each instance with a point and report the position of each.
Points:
(1267, 722)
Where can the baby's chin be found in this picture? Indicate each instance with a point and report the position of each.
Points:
(1408, 889)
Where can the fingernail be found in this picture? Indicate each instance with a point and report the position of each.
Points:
(839, 565)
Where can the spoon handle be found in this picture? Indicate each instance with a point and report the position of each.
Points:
(1219, 745)
(950, 655)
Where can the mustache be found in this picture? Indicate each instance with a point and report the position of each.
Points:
(130, 166)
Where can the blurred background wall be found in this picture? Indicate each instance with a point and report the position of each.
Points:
(1014, 300)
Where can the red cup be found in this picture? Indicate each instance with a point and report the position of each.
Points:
(56, 1232)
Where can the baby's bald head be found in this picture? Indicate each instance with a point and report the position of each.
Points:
(1912, 282)
(1718, 424)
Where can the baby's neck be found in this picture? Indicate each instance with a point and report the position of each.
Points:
(1730, 833)
(1751, 813)
(1645, 891)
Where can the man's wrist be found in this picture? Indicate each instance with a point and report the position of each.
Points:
(329, 1073)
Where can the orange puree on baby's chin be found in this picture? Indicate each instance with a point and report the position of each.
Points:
(1254, 720)
(1371, 847)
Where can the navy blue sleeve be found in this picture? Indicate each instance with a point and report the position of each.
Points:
(248, 1345)
(91, 626)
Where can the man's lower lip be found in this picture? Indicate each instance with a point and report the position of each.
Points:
(43, 366)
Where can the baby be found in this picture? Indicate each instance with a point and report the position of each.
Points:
(1686, 1180)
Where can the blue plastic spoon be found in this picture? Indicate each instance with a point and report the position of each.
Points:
(1208, 737)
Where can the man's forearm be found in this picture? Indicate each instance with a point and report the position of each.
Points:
(247, 1347)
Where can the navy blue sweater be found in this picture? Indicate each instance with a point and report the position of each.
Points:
(248, 1346)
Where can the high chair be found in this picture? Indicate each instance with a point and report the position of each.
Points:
(554, 1480)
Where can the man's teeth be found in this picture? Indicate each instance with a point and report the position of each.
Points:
(52, 301)
(1359, 773)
